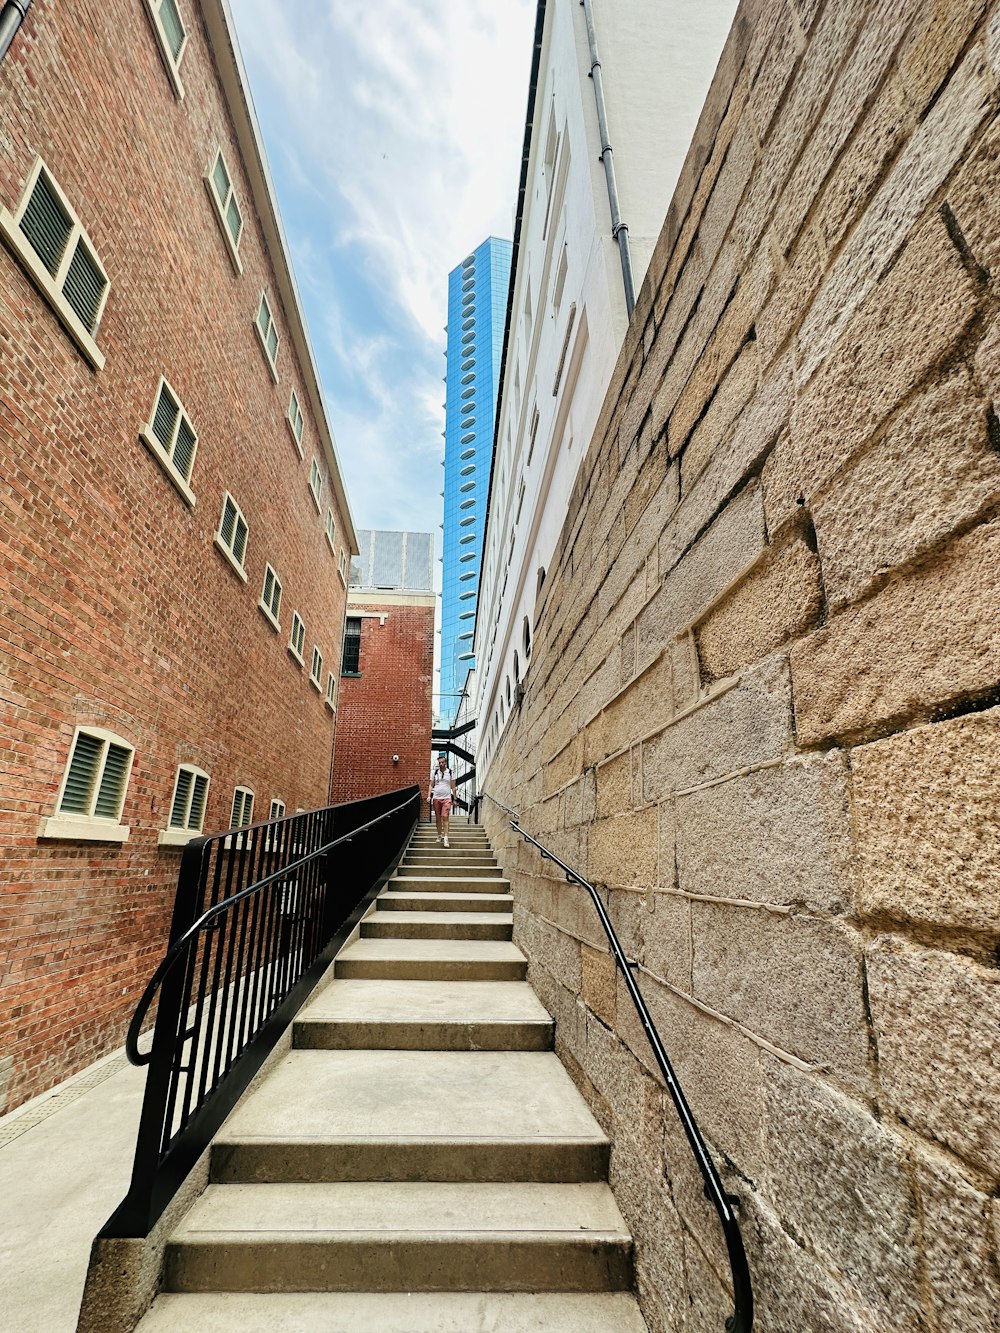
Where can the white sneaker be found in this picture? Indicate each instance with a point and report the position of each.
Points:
(446, 842)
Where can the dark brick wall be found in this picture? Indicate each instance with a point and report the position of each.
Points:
(118, 610)
(386, 710)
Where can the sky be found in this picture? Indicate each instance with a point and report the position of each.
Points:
(393, 129)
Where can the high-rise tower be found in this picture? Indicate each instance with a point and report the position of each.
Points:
(477, 306)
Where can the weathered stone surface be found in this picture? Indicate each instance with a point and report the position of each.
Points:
(799, 279)
(747, 724)
(933, 471)
(666, 938)
(932, 45)
(988, 362)
(624, 849)
(599, 984)
(928, 823)
(936, 1016)
(793, 979)
(956, 1228)
(929, 637)
(779, 835)
(668, 842)
(614, 785)
(780, 598)
(685, 670)
(728, 401)
(730, 546)
(565, 766)
(910, 321)
(973, 198)
(645, 703)
(842, 1183)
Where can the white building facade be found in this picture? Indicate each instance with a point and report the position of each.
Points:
(567, 313)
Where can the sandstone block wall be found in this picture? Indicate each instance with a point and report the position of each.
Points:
(763, 705)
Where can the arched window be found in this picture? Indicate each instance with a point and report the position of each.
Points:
(526, 639)
(517, 672)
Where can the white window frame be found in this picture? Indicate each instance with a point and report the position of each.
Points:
(330, 531)
(230, 554)
(87, 826)
(164, 457)
(342, 566)
(51, 285)
(220, 208)
(272, 361)
(270, 613)
(316, 483)
(295, 414)
(277, 810)
(331, 692)
(179, 835)
(244, 792)
(297, 638)
(316, 668)
(172, 65)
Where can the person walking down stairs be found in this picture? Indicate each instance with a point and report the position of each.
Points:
(441, 794)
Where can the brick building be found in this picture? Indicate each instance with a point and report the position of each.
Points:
(174, 531)
(387, 668)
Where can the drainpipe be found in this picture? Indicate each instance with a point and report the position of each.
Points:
(619, 229)
(11, 17)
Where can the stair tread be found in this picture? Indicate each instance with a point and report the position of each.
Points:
(502, 1096)
(364, 1000)
(451, 918)
(400, 896)
(392, 1211)
(395, 1312)
(415, 880)
(473, 951)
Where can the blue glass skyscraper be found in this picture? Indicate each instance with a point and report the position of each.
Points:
(477, 308)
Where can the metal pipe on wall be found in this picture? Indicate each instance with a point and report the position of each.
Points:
(619, 229)
(11, 17)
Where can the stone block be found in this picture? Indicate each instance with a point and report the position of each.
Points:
(973, 198)
(792, 1292)
(795, 980)
(599, 982)
(565, 766)
(665, 923)
(790, 299)
(841, 1183)
(629, 914)
(667, 811)
(624, 849)
(908, 324)
(735, 727)
(729, 547)
(932, 45)
(614, 785)
(685, 671)
(646, 1205)
(930, 637)
(727, 402)
(933, 471)
(928, 823)
(773, 55)
(645, 703)
(780, 598)
(988, 363)
(919, 171)
(965, 1286)
(936, 1016)
(778, 835)
(601, 685)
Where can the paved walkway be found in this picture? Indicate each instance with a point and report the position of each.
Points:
(65, 1162)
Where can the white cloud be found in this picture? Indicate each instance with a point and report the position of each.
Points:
(398, 125)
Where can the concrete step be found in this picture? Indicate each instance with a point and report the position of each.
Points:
(438, 926)
(448, 884)
(461, 832)
(424, 1015)
(453, 853)
(379, 1236)
(369, 1115)
(395, 1312)
(398, 901)
(450, 870)
(432, 960)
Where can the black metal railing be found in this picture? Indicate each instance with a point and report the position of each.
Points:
(259, 913)
(741, 1321)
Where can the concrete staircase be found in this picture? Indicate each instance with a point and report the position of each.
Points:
(420, 1162)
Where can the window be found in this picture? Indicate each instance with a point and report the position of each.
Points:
(350, 662)
(316, 670)
(227, 210)
(298, 638)
(277, 809)
(342, 566)
(231, 539)
(187, 807)
(532, 436)
(268, 335)
(295, 421)
(171, 439)
(270, 597)
(93, 788)
(331, 530)
(526, 639)
(56, 252)
(315, 482)
(171, 37)
(242, 807)
(331, 690)
(560, 280)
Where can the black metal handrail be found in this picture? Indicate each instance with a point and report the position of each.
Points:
(260, 912)
(741, 1321)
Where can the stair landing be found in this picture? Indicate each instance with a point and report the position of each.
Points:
(420, 1162)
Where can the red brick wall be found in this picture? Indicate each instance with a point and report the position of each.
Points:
(386, 710)
(117, 610)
